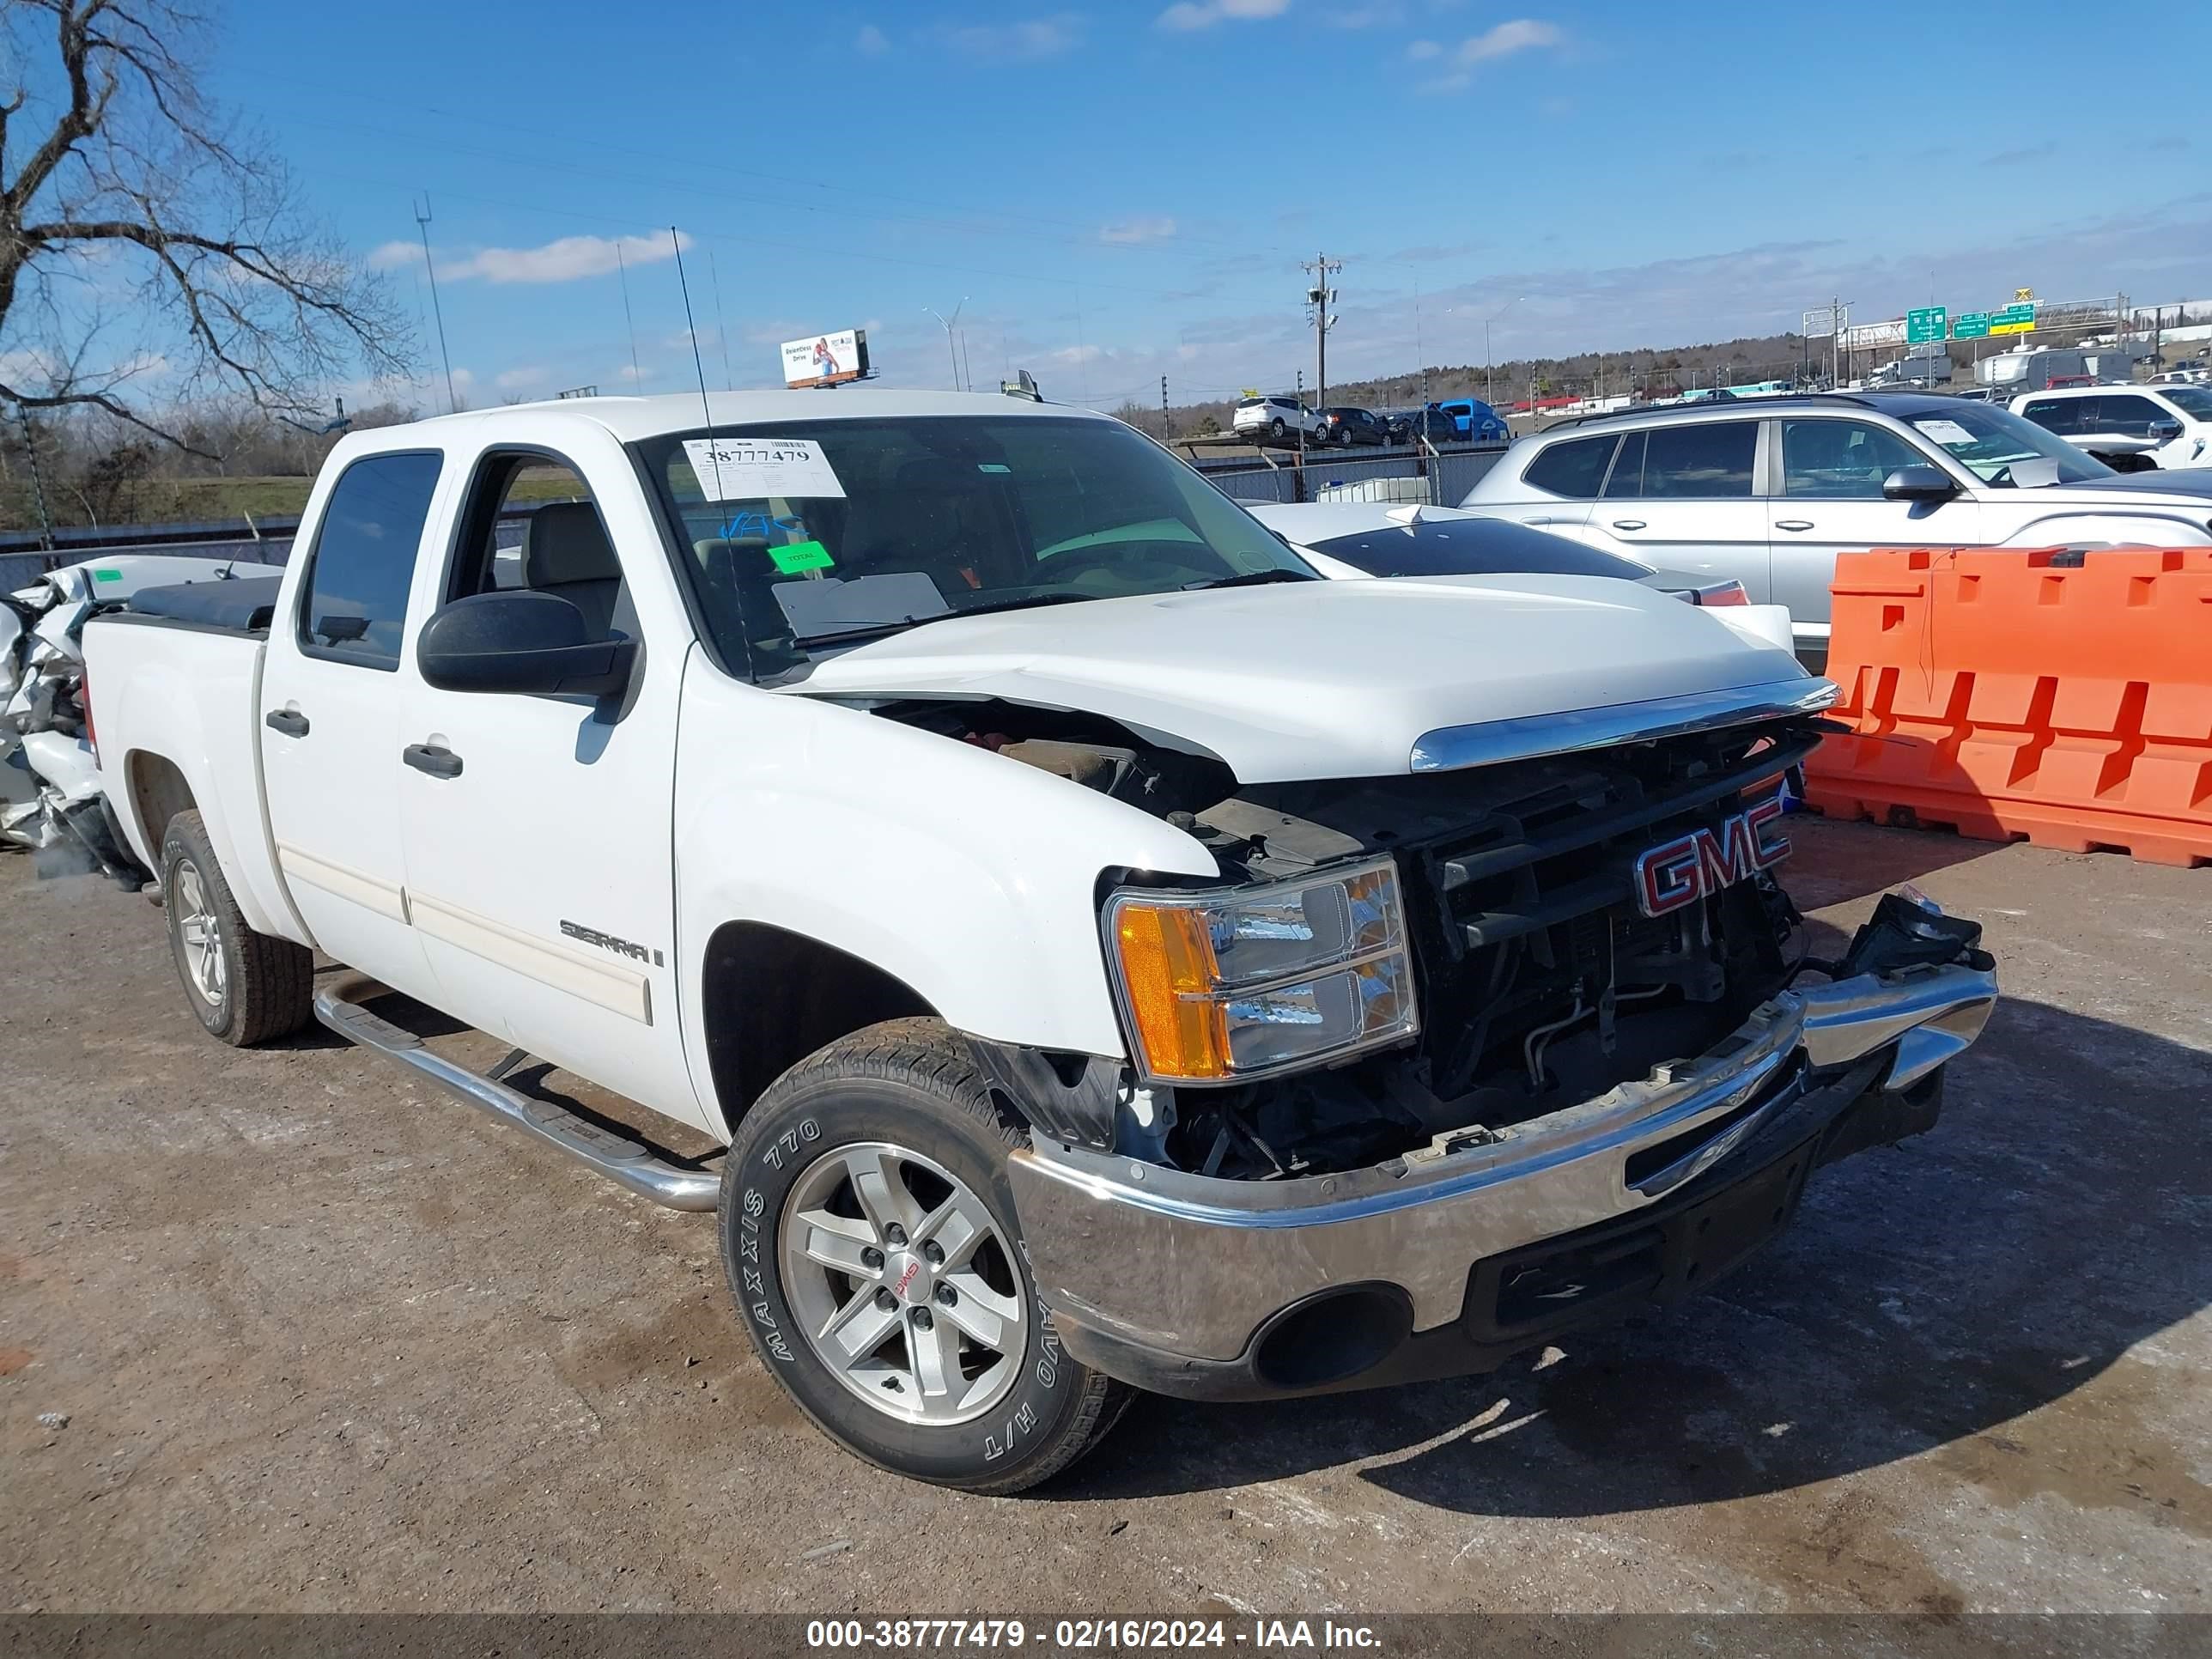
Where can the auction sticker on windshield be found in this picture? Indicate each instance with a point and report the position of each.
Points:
(754, 469)
(1943, 432)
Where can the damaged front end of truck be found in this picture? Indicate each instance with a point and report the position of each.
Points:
(1449, 1063)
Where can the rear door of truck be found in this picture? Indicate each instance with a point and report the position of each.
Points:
(330, 707)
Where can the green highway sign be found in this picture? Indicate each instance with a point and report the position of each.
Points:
(1970, 325)
(2018, 319)
(1924, 323)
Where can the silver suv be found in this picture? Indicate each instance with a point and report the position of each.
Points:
(1769, 492)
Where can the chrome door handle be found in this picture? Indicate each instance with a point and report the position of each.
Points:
(1793, 524)
(1628, 524)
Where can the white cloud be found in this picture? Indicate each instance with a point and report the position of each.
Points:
(1187, 14)
(1077, 354)
(1522, 34)
(521, 379)
(631, 374)
(1034, 37)
(1130, 232)
(564, 260)
(872, 40)
(1374, 15)
(567, 258)
(1503, 40)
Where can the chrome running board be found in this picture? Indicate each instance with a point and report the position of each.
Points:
(630, 1164)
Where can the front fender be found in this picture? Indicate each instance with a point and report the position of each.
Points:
(968, 877)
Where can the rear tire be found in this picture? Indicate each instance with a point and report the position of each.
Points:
(1277, 430)
(869, 1234)
(244, 986)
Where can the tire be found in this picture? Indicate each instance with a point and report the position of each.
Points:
(1277, 430)
(244, 986)
(892, 1099)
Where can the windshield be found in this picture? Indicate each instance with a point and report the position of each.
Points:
(2002, 449)
(811, 534)
(1471, 547)
(2195, 401)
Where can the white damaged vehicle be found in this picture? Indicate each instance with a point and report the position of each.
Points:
(50, 791)
(1111, 956)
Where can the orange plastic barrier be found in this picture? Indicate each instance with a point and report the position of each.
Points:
(2060, 696)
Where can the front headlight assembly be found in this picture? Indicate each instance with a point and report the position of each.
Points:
(1217, 986)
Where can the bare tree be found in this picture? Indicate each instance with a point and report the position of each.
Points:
(149, 241)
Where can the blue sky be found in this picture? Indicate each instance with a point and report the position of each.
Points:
(1124, 191)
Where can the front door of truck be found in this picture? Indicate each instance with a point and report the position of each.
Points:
(329, 712)
(538, 827)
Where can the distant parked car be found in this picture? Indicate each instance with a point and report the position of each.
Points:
(1347, 427)
(1345, 540)
(1432, 424)
(1277, 421)
(1770, 492)
(1475, 422)
(2169, 424)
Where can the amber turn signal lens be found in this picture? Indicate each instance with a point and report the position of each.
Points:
(1168, 971)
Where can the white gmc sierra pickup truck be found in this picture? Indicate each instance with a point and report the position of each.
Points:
(1110, 954)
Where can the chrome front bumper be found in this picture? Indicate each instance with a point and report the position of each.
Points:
(1178, 1265)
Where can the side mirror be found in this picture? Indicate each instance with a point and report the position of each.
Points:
(2165, 429)
(520, 642)
(1918, 482)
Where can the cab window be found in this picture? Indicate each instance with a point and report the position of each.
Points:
(353, 606)
(530, 523)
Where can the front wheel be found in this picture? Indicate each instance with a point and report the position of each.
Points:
(871, 1241)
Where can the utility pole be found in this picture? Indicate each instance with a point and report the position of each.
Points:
(422, 224)
(948, 325)
(1167, 425)
(1320, 297)
(622, 274)
(38, 483)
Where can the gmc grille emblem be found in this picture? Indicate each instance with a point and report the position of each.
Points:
(1698, 865)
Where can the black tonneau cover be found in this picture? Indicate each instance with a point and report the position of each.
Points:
(244, 603)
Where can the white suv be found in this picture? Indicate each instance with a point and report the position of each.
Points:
(1770, 492)
(1278, 420)
(2170, 424)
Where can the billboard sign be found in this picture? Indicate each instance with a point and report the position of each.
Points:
(826, 359)
(1873, 337)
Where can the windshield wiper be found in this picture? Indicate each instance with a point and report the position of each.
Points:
(1249, 578)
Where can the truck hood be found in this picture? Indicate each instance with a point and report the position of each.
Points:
(1323, 679)
(2184, 486)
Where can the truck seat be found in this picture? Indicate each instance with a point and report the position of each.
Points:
(566, 552)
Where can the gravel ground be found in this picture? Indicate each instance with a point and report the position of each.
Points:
(324, 1341)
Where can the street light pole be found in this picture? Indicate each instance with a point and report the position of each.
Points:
(1486, 322)
(948, 326)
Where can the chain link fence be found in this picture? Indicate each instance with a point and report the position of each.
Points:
(1440, 479)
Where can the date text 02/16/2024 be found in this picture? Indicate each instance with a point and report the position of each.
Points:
(1084, 1635)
